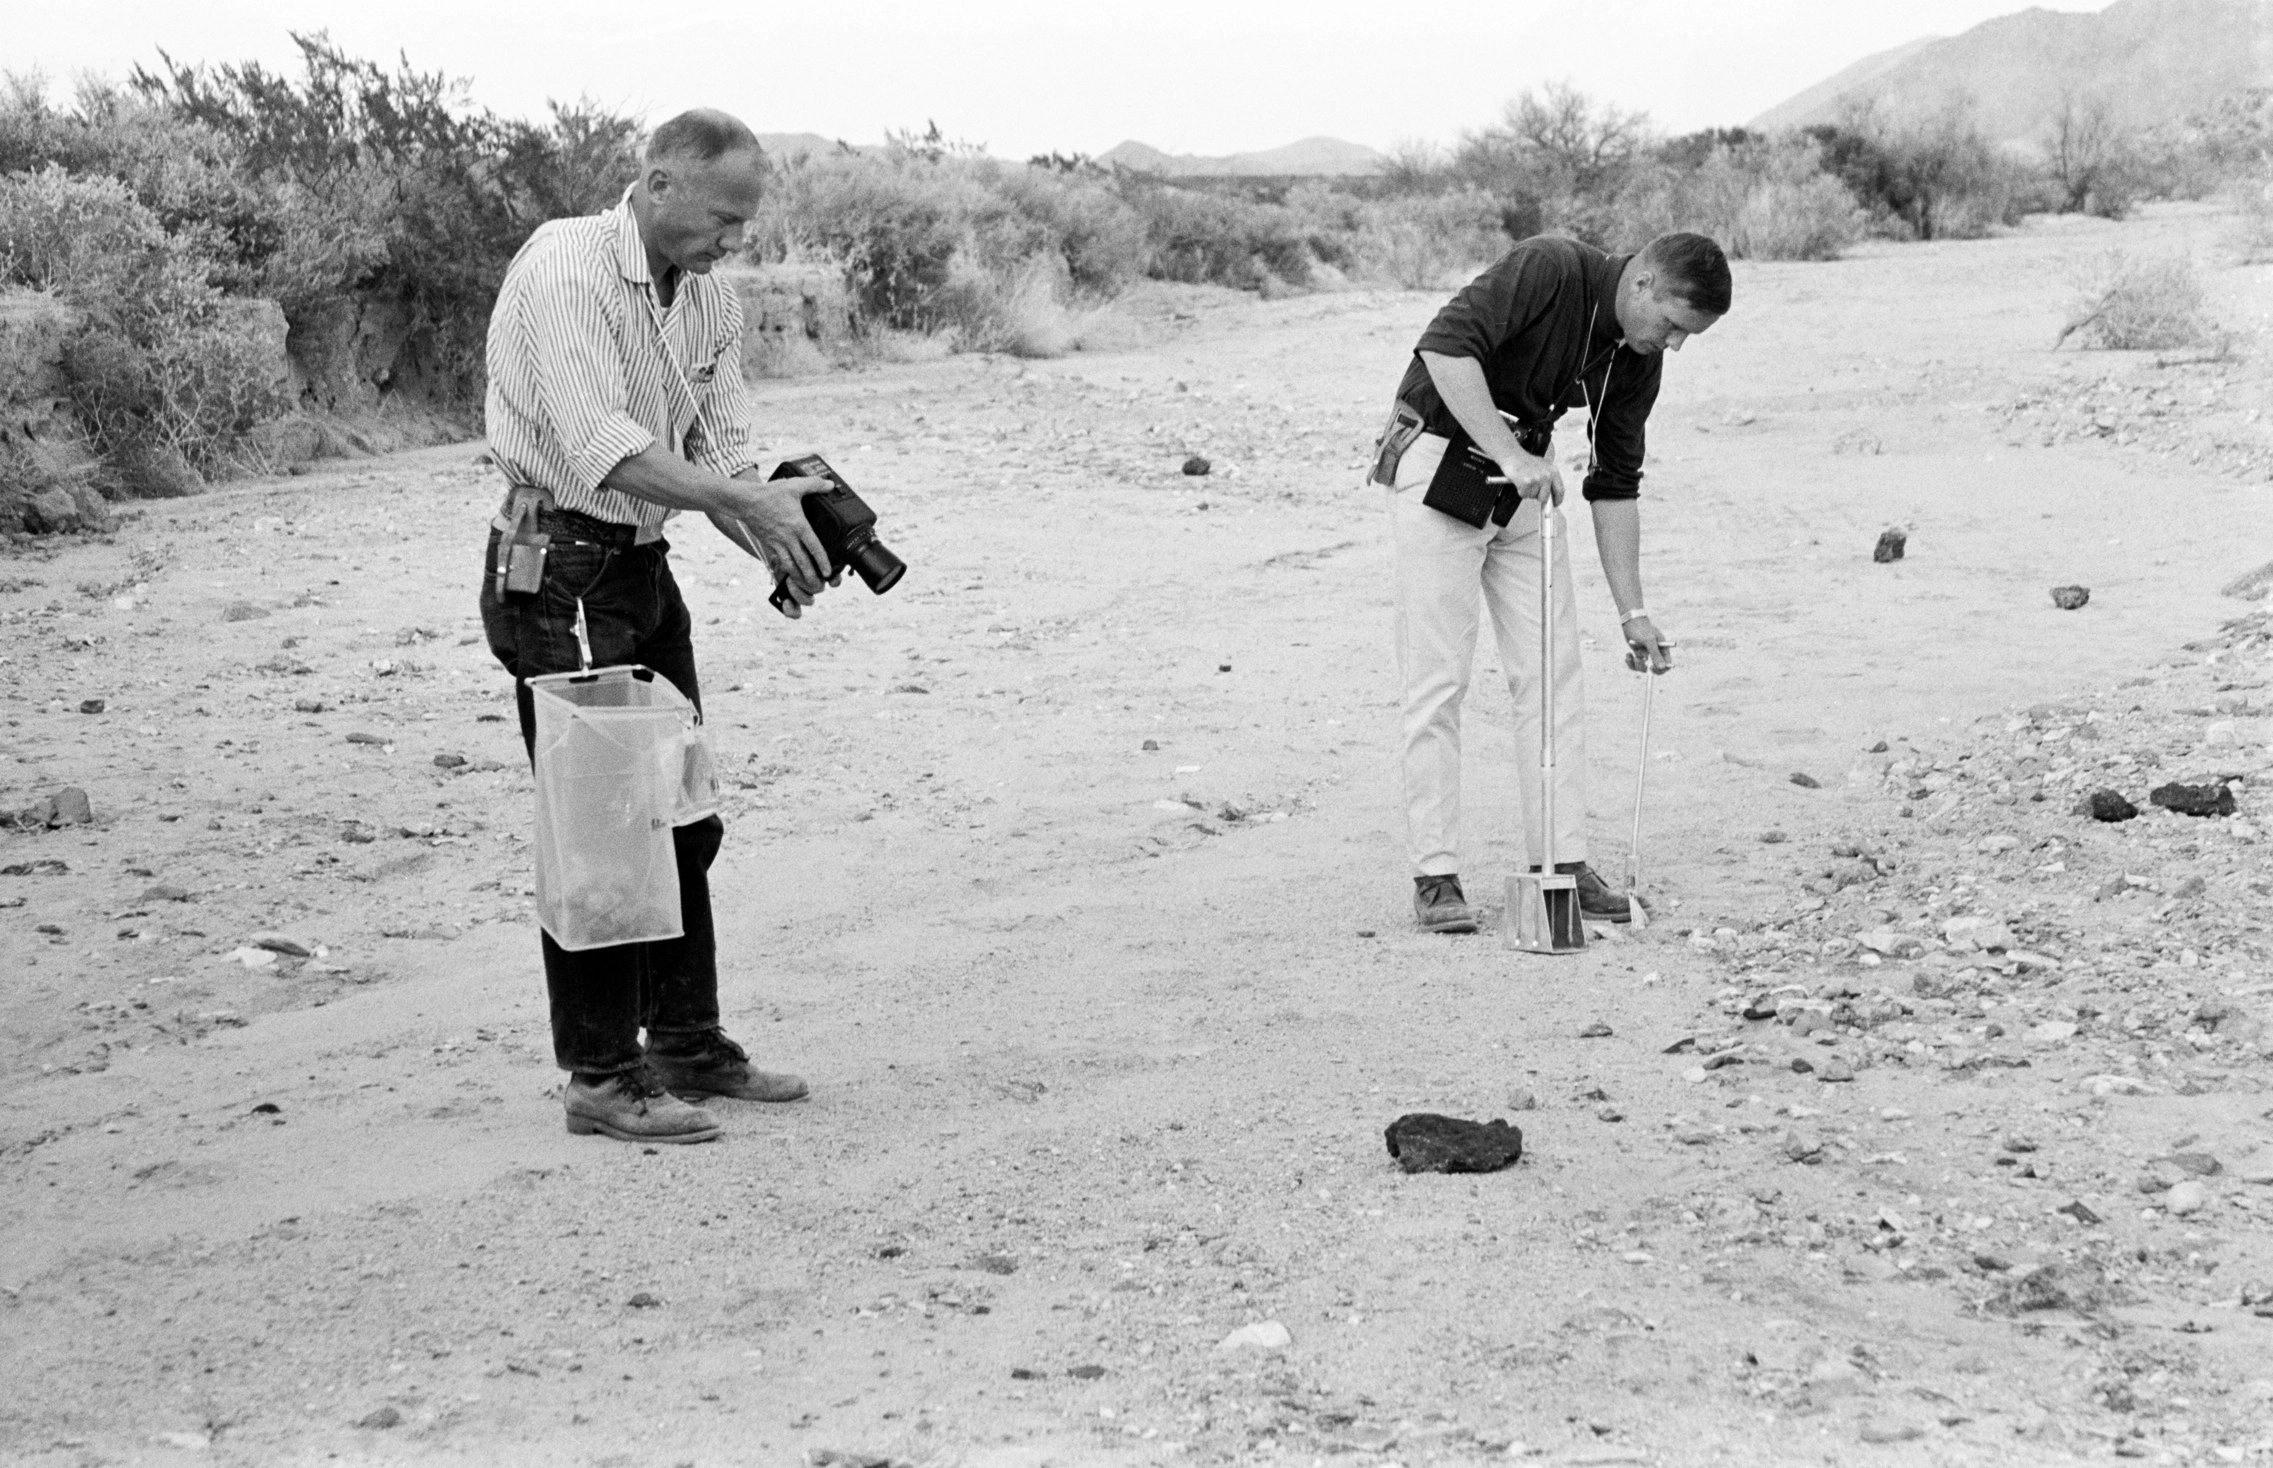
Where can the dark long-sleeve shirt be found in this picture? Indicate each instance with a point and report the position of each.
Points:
(1536, 320)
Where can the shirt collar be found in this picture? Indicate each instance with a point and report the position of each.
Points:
(631, 250)
(1606, 278)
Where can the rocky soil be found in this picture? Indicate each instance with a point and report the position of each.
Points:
(1928, 1122)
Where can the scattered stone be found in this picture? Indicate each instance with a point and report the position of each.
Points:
(2201, 1164)
(308, 705)
(2106, 805)
(1026, 1373)
(1196, 466)
(1836, 1069)
(283, 943)
(359, 737)
(1596, 1031)
(1806, 781)
(1264, 1335)
(2250, 585)
(1878, 748)
(46, 866)
(995, 1264)
(2019, 1142)
(1803, 1147)
(243, 611)
(2082, 1213)
(1759, 1006)
(1891, 546)
(2111, 1085)
(385, 1417)
(2187, 1199)
(92, 705)
(1521, 1099)
(254, 957)
(1426, 1142)
(1876, 1431)
(1085, 1373)
(164, 892)
(2068, 598)
(448, 761)
(1773, 838)
(643, 1301)
(1151, 746)
(2194, 800)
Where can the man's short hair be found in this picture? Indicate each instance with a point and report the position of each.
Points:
(701, 135)
(1693, 268)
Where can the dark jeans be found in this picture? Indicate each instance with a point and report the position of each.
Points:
(633, 613)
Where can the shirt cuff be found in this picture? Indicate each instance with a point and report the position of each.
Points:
(728, 463)
(615, 440)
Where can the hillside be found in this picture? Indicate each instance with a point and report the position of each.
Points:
(1320, 157)
(2154, 60)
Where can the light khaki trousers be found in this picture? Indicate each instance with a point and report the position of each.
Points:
(1445, 573)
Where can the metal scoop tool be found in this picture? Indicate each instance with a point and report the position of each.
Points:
(1542, 906)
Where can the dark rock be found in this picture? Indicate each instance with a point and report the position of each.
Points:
(1026, 1373)
(2082, 1213)
(46, 866)
(308, 705)
(2194, 800)
(1596, 1031)
(1760, 1006)
(1891, 544)
(643, 1301)
(2106, 805)
(2068, 598)
(1878, 748)
(70, 807)
(165, 892)
(448, 761)
(1805, 781)
(92, 705)
(1085, 1373)
(1424, 1142)
(1197, 466)
(359, 737)
(384, 1417)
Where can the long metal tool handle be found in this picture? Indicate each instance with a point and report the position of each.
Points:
(1641, 777)
(1546, 683)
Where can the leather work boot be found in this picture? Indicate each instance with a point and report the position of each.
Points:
(1440, 905)
(709, 1064)
(632, 1106)
(1595, 899)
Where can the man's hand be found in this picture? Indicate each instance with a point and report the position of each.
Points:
(1533, 478)
(774, 512)
(1646, 647)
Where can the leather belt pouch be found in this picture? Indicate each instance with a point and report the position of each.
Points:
(1396, 436)
(1459, 490)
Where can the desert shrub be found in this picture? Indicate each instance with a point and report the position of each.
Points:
(1414, 242)
(2140, 304)
(1210, 238)
(388, 184)
(1928, 177)
(931, 238)
(2251, 194)
(158, 375)
(1761, 200)
(2091, 160)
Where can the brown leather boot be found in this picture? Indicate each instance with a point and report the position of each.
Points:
(632, 1106)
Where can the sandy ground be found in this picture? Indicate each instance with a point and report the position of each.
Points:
(1070, 872)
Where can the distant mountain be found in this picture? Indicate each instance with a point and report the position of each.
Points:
(2151, 60)
(1315, 157)
(791, 145)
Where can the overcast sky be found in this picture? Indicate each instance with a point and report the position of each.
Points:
(1029, 76)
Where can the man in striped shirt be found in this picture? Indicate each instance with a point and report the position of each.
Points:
(615, 401)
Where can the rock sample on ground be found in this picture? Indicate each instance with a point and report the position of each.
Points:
(2068, 598)
(2106, 805)
(1422, 1141)
(1891, 545)
(1197, 466)
(2194, 800)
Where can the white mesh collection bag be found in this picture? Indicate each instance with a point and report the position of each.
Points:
(622, 757)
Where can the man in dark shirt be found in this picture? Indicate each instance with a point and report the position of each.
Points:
(1556, 324)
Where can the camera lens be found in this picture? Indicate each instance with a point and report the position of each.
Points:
(877, 566)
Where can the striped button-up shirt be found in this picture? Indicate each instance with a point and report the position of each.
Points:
(586, 369)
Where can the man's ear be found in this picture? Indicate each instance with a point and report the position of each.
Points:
(1645, 282)
(657, 183)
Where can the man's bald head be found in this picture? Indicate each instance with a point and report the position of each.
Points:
(700, 135)
(699, 187)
